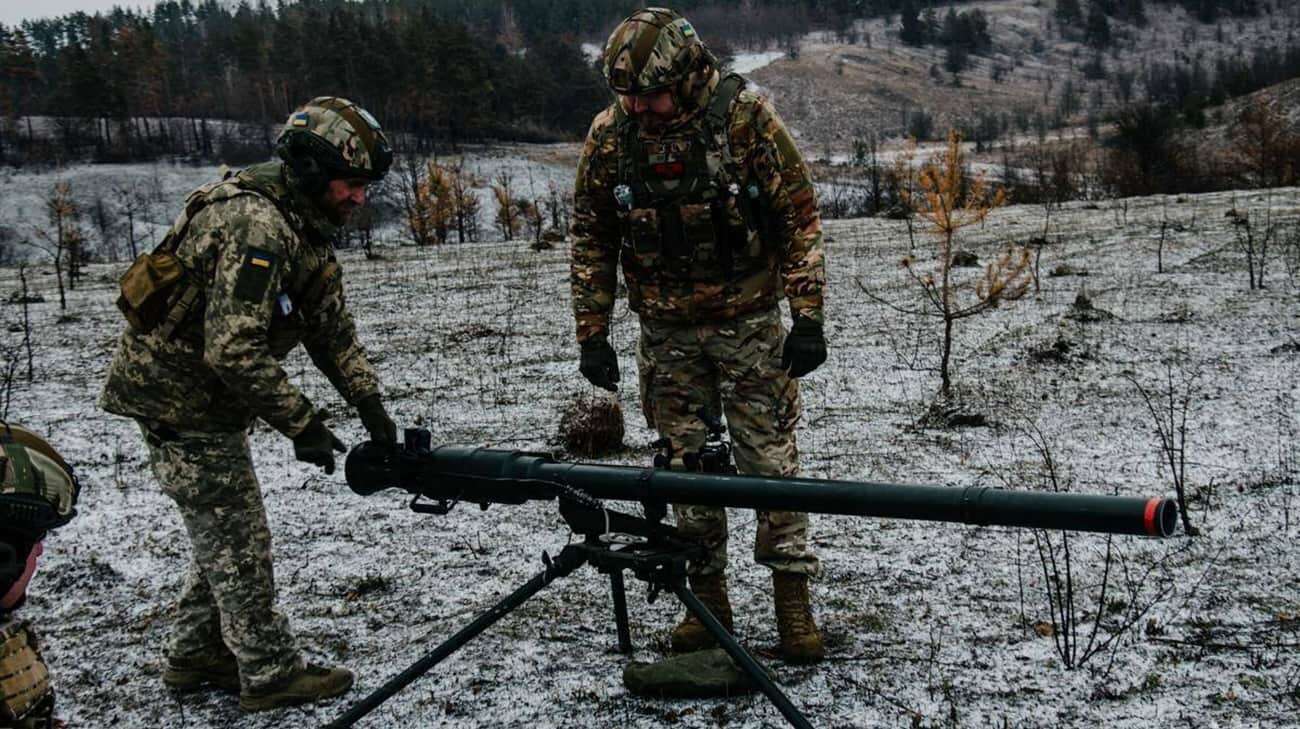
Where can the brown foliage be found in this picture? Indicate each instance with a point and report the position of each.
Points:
(1264, 147)
(951, 199)
(592, 426)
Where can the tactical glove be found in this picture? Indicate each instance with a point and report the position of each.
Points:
(599, 364)
(316, 445)
(805, 347)
(381, 428)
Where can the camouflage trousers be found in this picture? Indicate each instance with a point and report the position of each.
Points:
(228, 600)
(732, 367)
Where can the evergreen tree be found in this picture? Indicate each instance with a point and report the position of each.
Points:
(1068, 13)
(912, 31)
(1097, 31)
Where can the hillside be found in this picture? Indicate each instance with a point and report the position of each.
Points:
(835, 91)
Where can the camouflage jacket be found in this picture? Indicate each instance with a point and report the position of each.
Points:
(765, 154)
(270, 282)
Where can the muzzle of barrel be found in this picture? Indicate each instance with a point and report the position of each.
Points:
(1161, 517)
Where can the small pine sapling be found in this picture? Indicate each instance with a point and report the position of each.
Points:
(950, 200)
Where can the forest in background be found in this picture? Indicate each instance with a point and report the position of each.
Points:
(133, 85)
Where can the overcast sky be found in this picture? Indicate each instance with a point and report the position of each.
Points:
(13, 12)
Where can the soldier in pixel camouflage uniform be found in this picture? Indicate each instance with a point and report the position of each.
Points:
(692, 182)
(259, 278)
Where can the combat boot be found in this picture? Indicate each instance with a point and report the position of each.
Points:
(801, 642)
(312, 683)
(690, 635)
(217, 669)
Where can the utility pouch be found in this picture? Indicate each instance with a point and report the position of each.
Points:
(701, 236)
(644, 235)
(24, 679)
(151, 291)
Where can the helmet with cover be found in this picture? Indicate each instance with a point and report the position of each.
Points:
(38, 489)
(38, 492)
(331, 138)
(653, 49)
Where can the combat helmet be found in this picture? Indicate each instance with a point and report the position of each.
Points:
(653, 49)
(38, 489)
(331, 138)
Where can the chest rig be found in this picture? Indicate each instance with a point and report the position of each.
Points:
(688, 211)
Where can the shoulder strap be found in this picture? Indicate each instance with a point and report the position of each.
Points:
(715, 115)
(625, 130)
(194, 203)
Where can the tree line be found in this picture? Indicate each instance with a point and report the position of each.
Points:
(137, 84)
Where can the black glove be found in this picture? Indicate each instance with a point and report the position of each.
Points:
(316, 445)
(381, 428)
(599, 364)
(805, 347)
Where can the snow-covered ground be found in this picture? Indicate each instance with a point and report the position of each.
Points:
(750, 62)
(155, 189)
(927, 624)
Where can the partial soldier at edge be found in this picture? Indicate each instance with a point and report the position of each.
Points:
(245, 274)
(693, 184)
(38, 493)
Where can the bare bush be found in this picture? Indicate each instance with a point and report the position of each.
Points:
(1086, 618)
(592, 425)
(63, 240)
(1168, 408)
(1264, 147)
(412, 185)
(1254, 232)
(512, 211)
(558, 206)
(132, 204)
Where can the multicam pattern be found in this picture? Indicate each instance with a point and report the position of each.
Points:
(221, 372)
(228, 601)
(54, 483)
(651, 49)
(344, 125)
(732, 367)
(764, 150)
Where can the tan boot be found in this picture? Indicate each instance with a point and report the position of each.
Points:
(801, 642)
(191, 673)
(312, 683)
(690, 635)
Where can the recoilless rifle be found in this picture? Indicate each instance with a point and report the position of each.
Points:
(614, 542)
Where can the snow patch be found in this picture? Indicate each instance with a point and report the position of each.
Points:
(751, 62)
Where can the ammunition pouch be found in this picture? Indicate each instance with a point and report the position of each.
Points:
(25, 691)
(155, 294)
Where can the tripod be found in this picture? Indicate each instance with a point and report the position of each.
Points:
(613, 542)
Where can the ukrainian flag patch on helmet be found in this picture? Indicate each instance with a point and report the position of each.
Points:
(688, 30)
(301, 119)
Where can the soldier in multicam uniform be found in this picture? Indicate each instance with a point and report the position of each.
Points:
(262, 278)
(693, 183)
(38, 493)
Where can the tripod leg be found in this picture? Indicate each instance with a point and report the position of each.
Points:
(620, 611)
(742, 657)
(568, 560)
